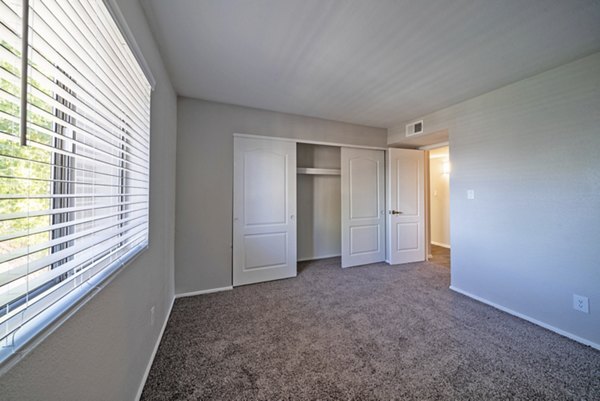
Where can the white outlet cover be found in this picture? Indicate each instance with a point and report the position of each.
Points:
(470, 194)
(581, 303)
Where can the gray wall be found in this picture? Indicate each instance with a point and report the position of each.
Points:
(530, 239)
(205, 179)
(101, 353)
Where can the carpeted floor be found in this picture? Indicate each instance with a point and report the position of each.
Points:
(364, 333)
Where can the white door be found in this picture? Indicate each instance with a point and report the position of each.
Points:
(363, 206)
(406, 206)
(264, 210)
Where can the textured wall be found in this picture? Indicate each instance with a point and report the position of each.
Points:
(529, 239)
(205, 179)
(101, 353)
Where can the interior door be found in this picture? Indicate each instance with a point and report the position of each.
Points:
(363, 206)
(406, 204)
(264, 210)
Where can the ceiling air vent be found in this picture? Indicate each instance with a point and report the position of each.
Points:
(414, 128)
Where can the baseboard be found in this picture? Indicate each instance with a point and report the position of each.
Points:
(440, 244)
(319, 257)
(528, 318)
(201, 292)
(154, 351)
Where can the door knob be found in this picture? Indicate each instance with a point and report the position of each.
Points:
(395, 212)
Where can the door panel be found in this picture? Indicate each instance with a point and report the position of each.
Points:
(264, 215)
(364, 239)
(264, 189)
(265, 250)
(364, 199)
(363, 202)
(406, 198)
(408, 236)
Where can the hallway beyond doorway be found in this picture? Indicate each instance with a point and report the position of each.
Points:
(440, 256)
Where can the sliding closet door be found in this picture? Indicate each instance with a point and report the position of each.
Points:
(363, 203)
(264, 210)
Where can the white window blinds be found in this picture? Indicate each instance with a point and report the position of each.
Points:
(74, 200)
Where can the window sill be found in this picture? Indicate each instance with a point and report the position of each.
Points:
(47, 322)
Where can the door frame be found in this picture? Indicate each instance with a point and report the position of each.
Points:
(308, 141)
(427, 171)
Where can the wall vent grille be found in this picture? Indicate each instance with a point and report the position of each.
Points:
(414, 128)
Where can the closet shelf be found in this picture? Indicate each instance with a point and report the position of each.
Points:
(318, 171)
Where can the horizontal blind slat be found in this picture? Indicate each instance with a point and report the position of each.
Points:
(78, 130)
(85, 112)
(102, 108)
(20, 271)
(86, 66)
(43, 30)
(67, 196)
(18, 317)
(77, 156)
(87, 125)
(49, 212)
(74, 182)
(71, 269)
(65, 168)
(82, 12)
(68, 224)
(34, 248)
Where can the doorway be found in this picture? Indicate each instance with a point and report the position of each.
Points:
(439, 206)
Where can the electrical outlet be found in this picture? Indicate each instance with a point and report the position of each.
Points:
(581, 303)
(470, 194)
(152, 316)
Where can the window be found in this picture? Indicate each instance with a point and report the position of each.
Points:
(74, 197)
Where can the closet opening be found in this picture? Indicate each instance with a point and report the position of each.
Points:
(318, 203)
(439, 206)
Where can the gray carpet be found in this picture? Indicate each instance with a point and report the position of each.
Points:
(365, 333)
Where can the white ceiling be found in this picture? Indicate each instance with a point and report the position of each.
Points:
(377, 63)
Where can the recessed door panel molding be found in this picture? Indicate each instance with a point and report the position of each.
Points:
(407, 195)
(363, 203)
(407, 236)
(264, 169)
(265, 250)
(406, 206)
(364, 239)
(264, 210)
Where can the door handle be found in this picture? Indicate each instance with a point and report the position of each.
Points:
(395, 212)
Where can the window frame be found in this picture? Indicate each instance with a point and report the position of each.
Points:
(53, 316)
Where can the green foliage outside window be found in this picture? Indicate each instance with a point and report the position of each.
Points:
(24, 170)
